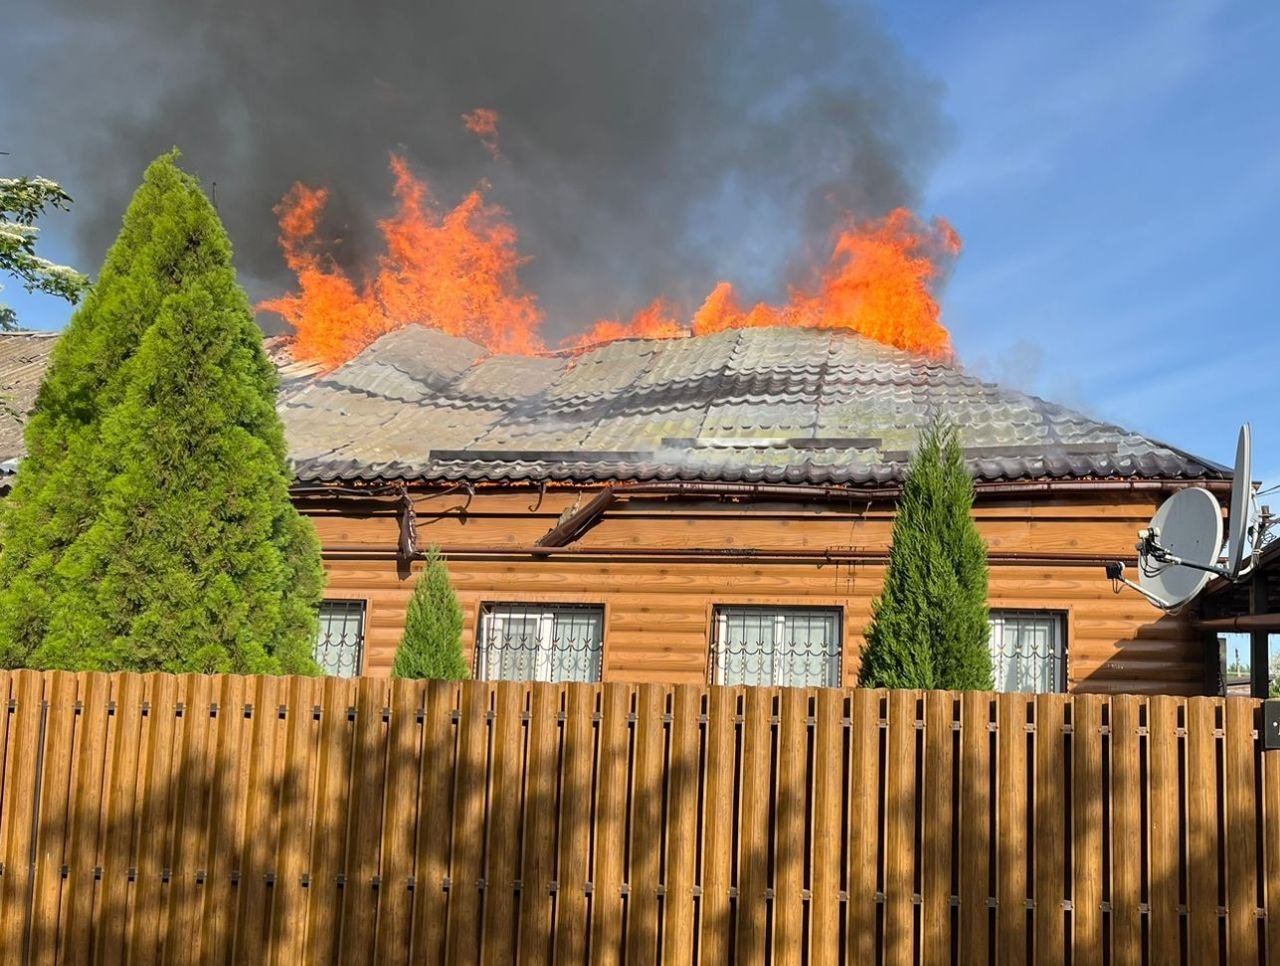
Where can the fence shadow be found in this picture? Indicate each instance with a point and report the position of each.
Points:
(193, 818)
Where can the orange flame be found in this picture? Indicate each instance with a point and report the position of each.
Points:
(656, 320)
(878, 282)
(457, 271)
(483, 123)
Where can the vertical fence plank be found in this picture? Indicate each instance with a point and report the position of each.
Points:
(1126, 830)
(718, 922)
(1270, 793)
(573, 870)
(119, 840)
(1242, 831)
(55, 802)
(683, 783)
(325, 896)
(1165, 790)
(172, 718)
(362, 893)
(754, 834)
(262, 819)
(6, 718)
(900, 827)
(611, 825)
(864, 825)
(1011, 828)
(155, 807)
(539, 824)
(937, 826)
(399, 820)
(504, 823)
(468, 823)
(828, 826)
(88, 755)
(1086, 831)
(8, 714)
(21, 775)
(225, 816)
(244, 713)
(975, 826)
(195, 776)
(1202, 821)
(790, 811)
(434, 822)
(645, 849)
(297, 819)
(1050, 829)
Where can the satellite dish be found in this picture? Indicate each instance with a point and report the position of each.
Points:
(1179, 550)
(1238, 543)
(1182, 546)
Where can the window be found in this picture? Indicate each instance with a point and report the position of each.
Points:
(540, 642)
(340, 643)
(790, 646)
(1028, 650)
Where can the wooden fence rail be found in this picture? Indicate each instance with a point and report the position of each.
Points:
(259, 819)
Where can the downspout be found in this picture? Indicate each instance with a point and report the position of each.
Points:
(407, 545)
(578, 522)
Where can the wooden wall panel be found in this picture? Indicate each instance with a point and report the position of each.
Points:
(1105, 524)
(659, 609)
(658, 613)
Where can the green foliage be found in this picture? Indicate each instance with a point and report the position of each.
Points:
(22, 202)
(150, 526)
(929, 626)
(58, 489)
(432, 642)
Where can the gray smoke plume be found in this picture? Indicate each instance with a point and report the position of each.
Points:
(648, 148)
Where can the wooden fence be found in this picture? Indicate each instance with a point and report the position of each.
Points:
(162, 818)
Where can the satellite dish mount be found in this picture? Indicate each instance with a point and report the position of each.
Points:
(1182, 547)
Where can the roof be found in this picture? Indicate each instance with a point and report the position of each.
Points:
(23, 358)
(749, 405)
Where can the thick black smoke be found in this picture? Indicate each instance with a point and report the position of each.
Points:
(648, 147)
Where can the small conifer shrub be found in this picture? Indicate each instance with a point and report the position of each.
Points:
(929, 626)
(432, 642)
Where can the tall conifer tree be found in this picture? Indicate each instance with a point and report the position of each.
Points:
(432, 642)
(58, 489)
(186, 553)
(929, 626)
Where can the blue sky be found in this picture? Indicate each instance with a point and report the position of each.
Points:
(1114, 171)
(1115, 174)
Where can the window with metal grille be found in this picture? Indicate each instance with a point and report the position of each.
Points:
(340, 643)
(540, 642)
(1029, 650)
(789, 646)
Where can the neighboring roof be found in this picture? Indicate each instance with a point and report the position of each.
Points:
(769, 405)
(23, 358)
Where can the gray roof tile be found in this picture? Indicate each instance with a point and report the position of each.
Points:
(768, 405)
(23, 357)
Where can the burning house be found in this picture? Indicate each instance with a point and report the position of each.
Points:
(716, 507)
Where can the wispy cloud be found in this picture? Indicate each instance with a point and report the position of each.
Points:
(1028, 85)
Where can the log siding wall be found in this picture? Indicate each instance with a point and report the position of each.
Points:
(659, 608)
